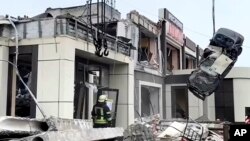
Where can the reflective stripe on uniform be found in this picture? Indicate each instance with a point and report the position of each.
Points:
(101, 121)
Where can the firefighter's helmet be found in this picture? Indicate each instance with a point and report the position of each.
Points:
(102, 98)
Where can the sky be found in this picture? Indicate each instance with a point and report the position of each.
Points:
(196, 15)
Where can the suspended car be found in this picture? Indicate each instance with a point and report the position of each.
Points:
(216, 62)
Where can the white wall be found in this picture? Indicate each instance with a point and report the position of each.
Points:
(241, 98)
(4, 55)
(121, 77)
(195, 106)
(55, 80)
(133, 34)
(211, 107)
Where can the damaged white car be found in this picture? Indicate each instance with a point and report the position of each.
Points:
(216, 62)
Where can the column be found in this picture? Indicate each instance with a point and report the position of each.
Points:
(122, 78)
(4, 55)
(55, 82)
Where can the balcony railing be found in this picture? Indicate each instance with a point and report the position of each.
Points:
(64, 25)
(78, 29)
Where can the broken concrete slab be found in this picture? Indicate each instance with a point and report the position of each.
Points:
(77, 135)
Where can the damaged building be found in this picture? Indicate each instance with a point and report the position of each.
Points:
(151, 94)
(56, 58)
(144, 74)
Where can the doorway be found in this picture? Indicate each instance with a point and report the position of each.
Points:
(88, 78)
(179, 96)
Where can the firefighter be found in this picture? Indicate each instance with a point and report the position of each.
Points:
(101, 113)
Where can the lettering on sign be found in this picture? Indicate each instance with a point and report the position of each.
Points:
(173, 19)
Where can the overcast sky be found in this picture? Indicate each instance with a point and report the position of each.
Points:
(196, 15)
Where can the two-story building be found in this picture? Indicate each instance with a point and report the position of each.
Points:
(56, 58)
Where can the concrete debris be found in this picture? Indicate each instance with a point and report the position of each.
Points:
(77, 135)
(175, 130)
(154, 128)
(54, 129)
(190, 131)
(59, 124)
(139, 132)
(144, 129)
(21, 127)
(214, 138)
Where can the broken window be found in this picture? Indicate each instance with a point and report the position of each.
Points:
(19, 101)
(173, 58)
(179, 101)
(144, 50)
(190, 62)
(148, 51)
(23, 97)
(149, 101)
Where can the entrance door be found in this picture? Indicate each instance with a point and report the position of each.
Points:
(113, 95)
(87, 78)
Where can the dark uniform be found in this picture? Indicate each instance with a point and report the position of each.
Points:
(101, 115)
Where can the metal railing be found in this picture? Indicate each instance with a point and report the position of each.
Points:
(76, 28)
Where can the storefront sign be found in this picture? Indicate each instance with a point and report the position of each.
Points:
(175, 21)
(175, 32)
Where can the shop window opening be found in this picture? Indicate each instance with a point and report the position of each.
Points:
(149, 101)
(179, 102)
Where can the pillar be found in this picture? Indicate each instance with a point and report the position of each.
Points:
(122, 78)
(4, 55)
(55, 81)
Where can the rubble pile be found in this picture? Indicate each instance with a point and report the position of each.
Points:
(154, 129)
(144, 129)
(189, 131)
(139, 132)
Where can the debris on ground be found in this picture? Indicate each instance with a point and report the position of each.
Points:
(54, 129)
(153, 129)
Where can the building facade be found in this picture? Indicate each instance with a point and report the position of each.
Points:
(144, 74)
(56, 58)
